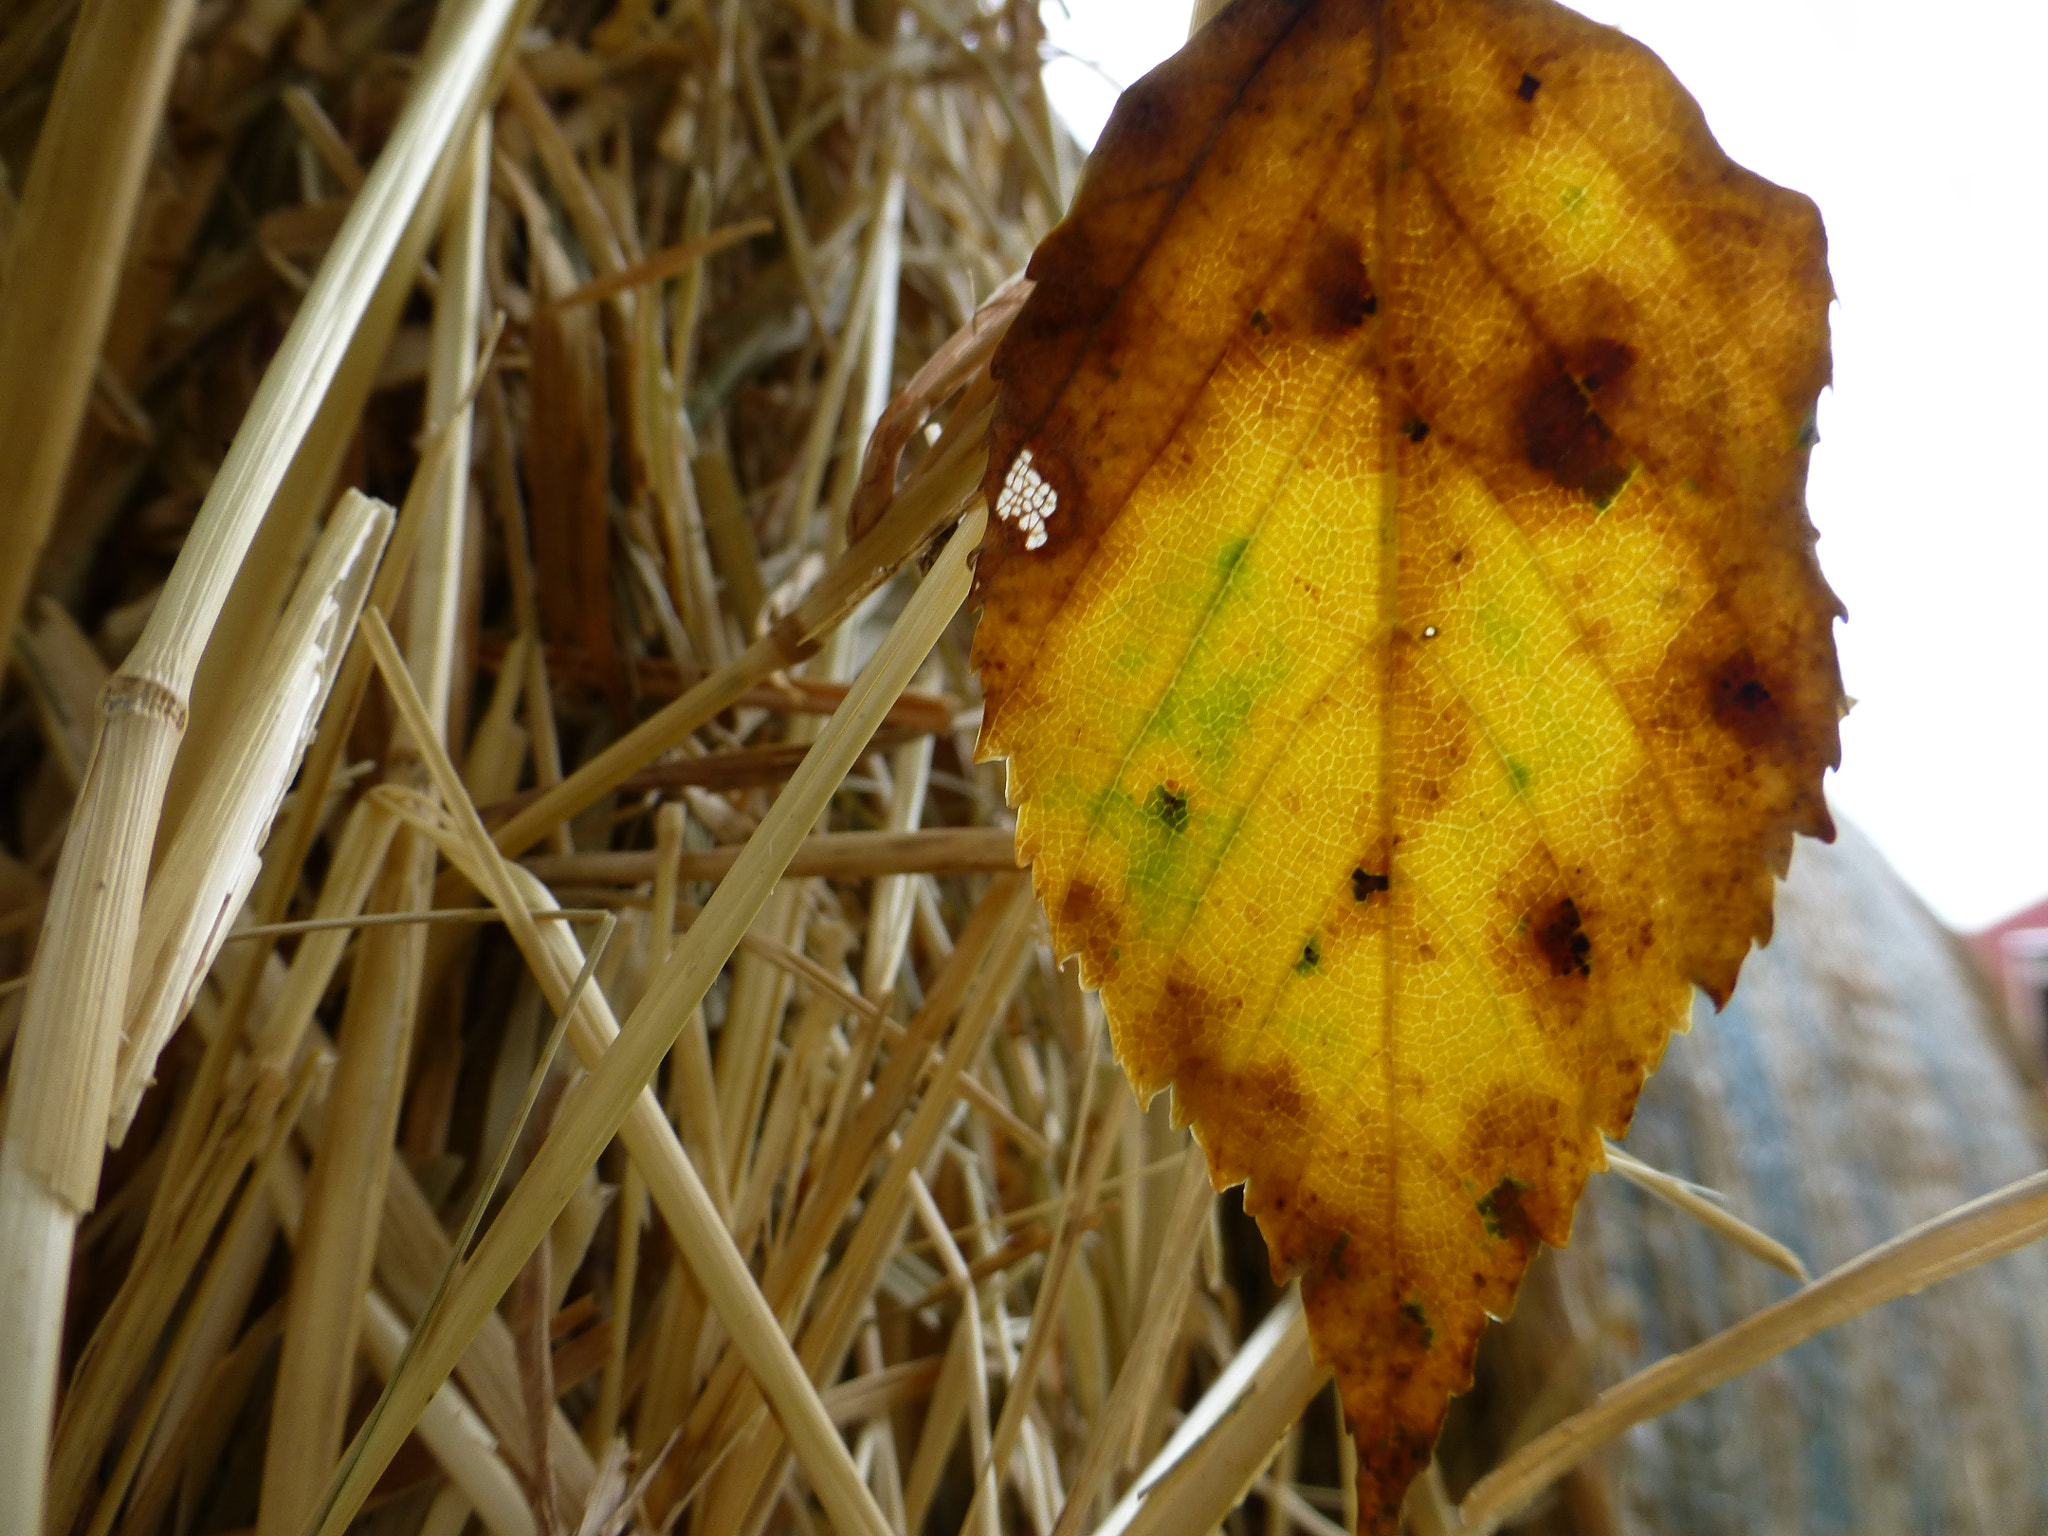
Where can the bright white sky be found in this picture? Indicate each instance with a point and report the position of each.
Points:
(1924, 140)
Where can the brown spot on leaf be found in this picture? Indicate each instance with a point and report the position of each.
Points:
(1744, 704)
(1564, 437)
(1070, 296)
(1341, 292)
(1364, 885)
(1090, 923)
(1529, 1142)
(1502, 1210)
(1563, 940)
(1082, 905)
(1187, 1022)
(1624, 1112)
(1273, 1090)
(1145, 119)
(1604, 362)
(1298, 1244)
(1528, 88)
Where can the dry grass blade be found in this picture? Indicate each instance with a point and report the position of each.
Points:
(249, 1210)
(965, 1366)
(62, 1079)
(1713, 1217)
(852, 1151)
(662, 264)
(464, 915)
(450, 1426)
(64, 259)
(1974, 1234)
(1230, 1435)
(379, 1025)
(836, 855)
(1123, 1414)
(1084, 1179)
(949, 371)
(593, 1114)
(924, 507)
(455, 1433)
(614, 1503)
(843, 1299)
(487, 1187)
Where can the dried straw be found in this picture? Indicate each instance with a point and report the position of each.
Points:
(64, 1059)
(852, 1223)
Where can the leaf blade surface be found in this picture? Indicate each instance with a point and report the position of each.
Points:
(1402, 624)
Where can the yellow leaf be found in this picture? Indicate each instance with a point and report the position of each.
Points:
(1402, 624)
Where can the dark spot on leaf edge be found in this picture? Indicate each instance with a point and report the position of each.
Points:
(1501, 1209)
(1744, 704)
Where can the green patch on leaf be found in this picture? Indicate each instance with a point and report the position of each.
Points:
(1170, 806)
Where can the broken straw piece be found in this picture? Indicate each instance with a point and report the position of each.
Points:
(206, 875)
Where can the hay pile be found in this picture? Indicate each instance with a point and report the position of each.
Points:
(613, 354)
(515, 1000)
